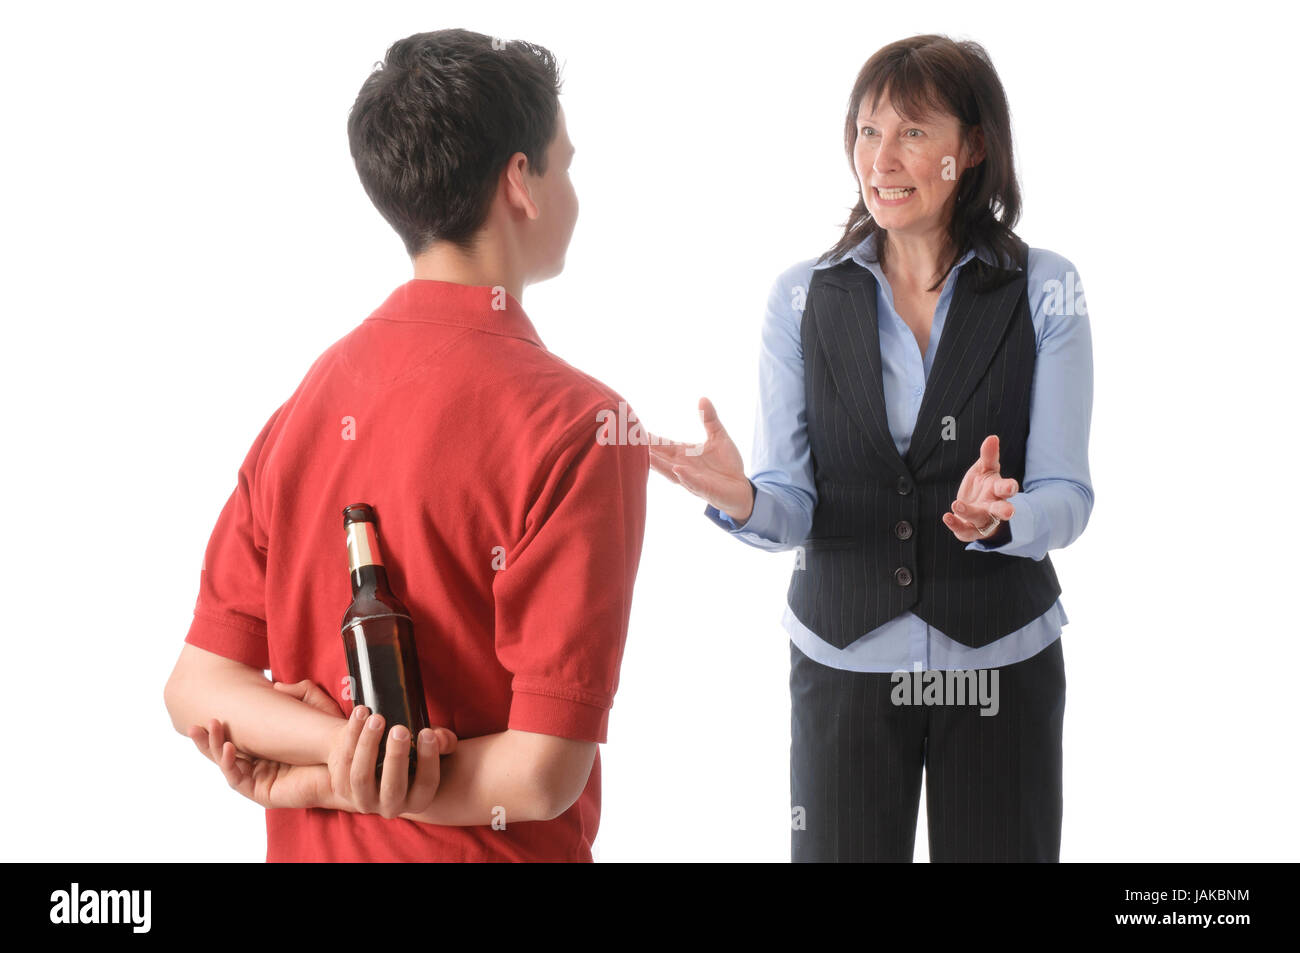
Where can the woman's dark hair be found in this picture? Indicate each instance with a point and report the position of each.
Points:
(436, 122)
(931, 73)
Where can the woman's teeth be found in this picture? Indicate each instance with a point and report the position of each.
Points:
(894, 193)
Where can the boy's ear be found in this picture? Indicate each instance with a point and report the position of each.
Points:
(516, 182)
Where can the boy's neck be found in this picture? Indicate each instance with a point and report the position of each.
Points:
(486, 267)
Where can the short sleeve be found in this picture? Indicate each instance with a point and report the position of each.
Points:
(230, 612)
(564, 597)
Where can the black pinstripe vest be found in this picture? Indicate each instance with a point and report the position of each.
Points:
(878, 545)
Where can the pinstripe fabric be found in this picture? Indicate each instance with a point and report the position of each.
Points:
(878, 545)
(993, 783)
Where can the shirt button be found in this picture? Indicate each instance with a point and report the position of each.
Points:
(904, 486)
(903, 576)
(917, 391)
(903, 529)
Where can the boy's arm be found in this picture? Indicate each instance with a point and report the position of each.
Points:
(511, 776)
(259, 720)
(220, 670)
(562, 603)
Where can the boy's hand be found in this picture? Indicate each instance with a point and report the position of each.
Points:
(355, 752)
(269, 783)
(266, 782)
(347, 782)
(311, 693)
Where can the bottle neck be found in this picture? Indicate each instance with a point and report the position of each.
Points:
(365, 564)
(371, 578)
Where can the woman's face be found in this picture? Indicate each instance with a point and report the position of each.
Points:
(926, 154)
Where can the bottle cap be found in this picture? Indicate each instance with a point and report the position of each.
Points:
(358, 513)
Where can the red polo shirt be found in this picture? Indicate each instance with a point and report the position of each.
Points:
(509, 524)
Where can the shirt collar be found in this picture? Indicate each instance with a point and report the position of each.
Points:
(494, 311)
(865, 251)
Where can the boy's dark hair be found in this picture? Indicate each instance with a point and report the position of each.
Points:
(435, 123)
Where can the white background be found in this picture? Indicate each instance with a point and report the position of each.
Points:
(184, 233)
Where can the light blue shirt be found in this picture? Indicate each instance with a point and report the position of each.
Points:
(1055, 498)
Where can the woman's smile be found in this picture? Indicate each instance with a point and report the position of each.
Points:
(893, 196)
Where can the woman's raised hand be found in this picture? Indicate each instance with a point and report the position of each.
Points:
(713, 470)
(982, 495)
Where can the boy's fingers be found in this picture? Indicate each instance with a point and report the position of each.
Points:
(392, 786)
(216, 739)
(230, 766)
(447, 740)
(364, 759)
(297, 689)
(428, 769)
(341, 776)
(199, 735)
(308, 691)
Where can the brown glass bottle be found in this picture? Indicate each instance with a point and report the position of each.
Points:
(379, 638)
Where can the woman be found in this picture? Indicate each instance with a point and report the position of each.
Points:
(926, 394)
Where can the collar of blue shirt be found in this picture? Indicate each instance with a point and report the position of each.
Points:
(864, 253)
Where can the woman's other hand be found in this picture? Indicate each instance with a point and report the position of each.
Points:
(982, 496)
(713, 471)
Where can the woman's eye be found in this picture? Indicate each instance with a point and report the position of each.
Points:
(867, 130)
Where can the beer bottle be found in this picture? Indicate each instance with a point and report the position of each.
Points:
(379, 638)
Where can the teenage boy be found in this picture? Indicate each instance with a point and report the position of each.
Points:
(509, 525)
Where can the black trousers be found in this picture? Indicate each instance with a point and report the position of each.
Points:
(993, 782)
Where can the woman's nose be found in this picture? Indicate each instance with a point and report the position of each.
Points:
(886, 159)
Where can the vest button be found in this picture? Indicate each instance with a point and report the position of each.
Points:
(904, 486)
(903, 529)
(903, 576)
